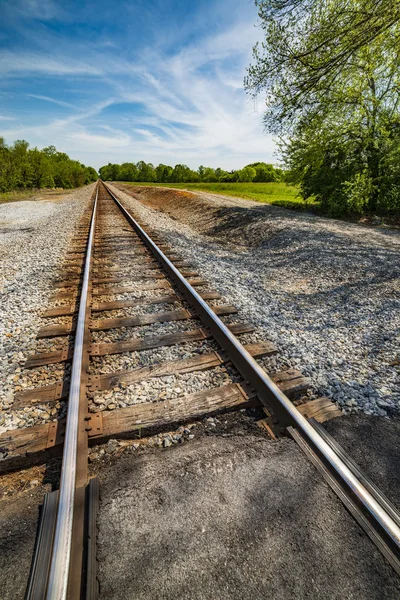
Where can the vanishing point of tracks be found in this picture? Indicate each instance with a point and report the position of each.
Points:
(113, 256)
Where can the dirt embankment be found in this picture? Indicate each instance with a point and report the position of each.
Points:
(181, 205)
(249, 223)
(225, 219)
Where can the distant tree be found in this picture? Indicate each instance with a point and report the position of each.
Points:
(128, 172)
(23, 167)
(220, 174)
(181, 174)
(230, 177)
(146, 171)
(90, 175)
(264, 172)
(247, 174)
(110, 172)
(163, 173)
(209, 175)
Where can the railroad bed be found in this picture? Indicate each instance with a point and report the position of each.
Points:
(153, 348)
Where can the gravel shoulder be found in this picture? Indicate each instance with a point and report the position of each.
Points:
(325, 291)
(33, 239)
(233, 517)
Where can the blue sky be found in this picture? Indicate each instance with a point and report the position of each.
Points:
(159, 81)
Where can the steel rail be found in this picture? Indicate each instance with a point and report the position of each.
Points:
(57, 585)
(373, 513)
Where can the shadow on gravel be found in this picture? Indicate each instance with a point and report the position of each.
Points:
(373, 442)
(231, 519)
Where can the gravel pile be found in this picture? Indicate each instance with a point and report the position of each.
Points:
(33, 239)
(324, 291)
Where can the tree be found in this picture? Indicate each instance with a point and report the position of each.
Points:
(308, 46)
(265, 173)
(146, 171)
(338, 129)
(24, 168)
(163, 173)
(128, 172)
(247, 174)
(181, 174)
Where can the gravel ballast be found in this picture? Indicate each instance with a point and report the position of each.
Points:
(33, 239)
(324, 291)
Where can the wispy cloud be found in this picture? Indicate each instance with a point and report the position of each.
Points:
(34, 9)
(14, 63)
(53, 100)
(140, 96)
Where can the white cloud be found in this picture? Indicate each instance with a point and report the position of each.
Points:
(12, 63)
(194, 108)
(53, 100)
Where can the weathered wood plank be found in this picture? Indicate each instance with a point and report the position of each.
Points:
(199, 362)
(126, 254)
(136, 345)
(292, 382)
(110, 268)
(150, 274)
(149, 342)
(48, 358)
(321, 409)
(151, 286)
(41, 395)
(61, 311)
(153, 417)
(147, 319)
(138, 320)
(155, 285)
(116, 304)
(51, 331)
(22, 448)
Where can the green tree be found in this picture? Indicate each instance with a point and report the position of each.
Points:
(247, 174)
(163, 173)
(338, 129)
(146, 171)
(309, 45)
(181, 174)
(265, 172)
(128, 172)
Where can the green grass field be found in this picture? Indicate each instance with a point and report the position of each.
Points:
(279, 194)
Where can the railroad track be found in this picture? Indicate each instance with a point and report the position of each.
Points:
(120, 278)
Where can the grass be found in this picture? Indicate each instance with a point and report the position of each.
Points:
(279, 194)
(32, 194)
(16, 195)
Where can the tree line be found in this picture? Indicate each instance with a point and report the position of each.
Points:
(330, 73)
(142, 172)
(22, 167)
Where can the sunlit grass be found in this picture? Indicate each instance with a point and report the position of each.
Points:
(16, 195)
(279, 194)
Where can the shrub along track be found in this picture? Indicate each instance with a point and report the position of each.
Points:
(150, 309)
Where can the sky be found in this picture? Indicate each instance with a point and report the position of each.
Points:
(123, 81)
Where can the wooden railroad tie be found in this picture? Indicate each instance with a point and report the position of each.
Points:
(33, 445)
